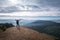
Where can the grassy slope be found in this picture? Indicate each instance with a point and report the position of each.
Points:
(24, 34)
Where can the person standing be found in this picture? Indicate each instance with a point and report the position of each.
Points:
(17, 24)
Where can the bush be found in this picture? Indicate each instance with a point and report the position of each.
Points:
(4, 26)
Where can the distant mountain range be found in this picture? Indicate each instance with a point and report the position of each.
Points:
(48, 27)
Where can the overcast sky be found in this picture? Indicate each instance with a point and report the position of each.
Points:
(34, 7)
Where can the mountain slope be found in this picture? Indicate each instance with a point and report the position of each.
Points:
(48, 27)
(24, 34)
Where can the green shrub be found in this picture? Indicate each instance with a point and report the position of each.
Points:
(4, 26)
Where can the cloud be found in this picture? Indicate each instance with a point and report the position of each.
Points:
(41, 7)
(31, 18)
(54, 3)
(32, 14)
(18, 8)
(8, 9)
(6, 3)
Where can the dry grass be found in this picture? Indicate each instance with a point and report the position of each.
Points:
(24, 34)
